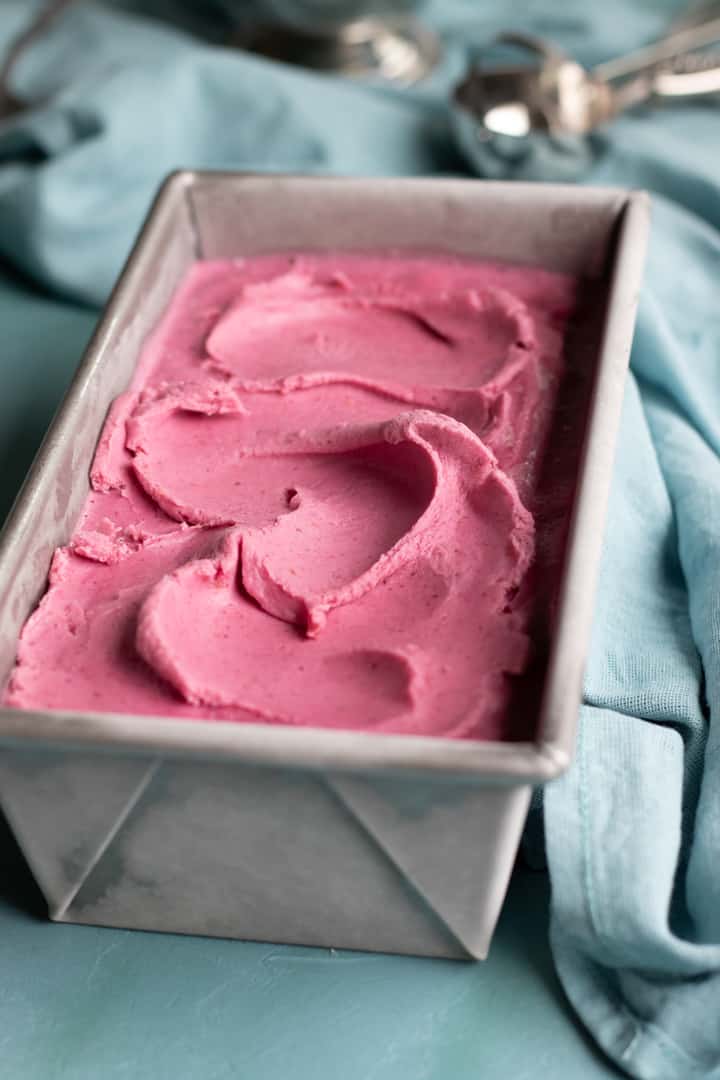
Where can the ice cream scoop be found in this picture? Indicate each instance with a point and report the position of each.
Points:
(536, 118)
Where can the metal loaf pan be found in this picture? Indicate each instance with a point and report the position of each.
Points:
(358, 840)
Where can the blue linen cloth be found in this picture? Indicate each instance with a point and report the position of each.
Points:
(632, 831)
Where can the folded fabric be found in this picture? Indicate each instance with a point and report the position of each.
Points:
(633, 829)
(119, 102)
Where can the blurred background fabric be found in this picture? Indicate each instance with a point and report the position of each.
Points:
(114, 97)
(117, 100)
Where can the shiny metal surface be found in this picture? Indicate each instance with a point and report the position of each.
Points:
(336, 838)
(535, 117)
(376, 39)
(400, 51)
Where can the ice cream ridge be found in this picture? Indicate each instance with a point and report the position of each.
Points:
(318, 503)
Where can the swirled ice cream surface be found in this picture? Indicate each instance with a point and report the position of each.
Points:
(320, 503)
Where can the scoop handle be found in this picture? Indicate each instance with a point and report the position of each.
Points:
(645, 61)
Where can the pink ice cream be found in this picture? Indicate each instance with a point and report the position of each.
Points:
(319, 503)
